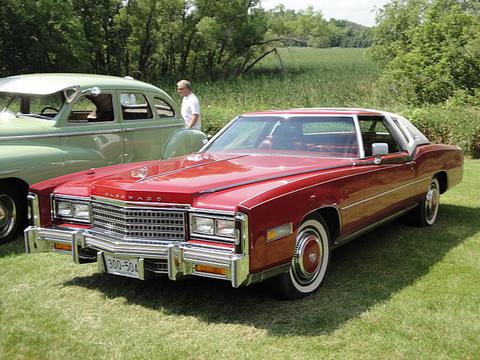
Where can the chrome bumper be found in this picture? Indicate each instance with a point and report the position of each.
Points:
(181, 258)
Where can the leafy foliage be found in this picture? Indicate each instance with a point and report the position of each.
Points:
(428, 49)
(155, 39)
(309, 28)
(41, 36)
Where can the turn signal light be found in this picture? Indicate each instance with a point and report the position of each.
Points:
(63, 247)
(210, 269)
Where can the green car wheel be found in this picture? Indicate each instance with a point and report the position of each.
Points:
(12, 203)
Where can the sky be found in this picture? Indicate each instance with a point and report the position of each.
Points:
(359, 11)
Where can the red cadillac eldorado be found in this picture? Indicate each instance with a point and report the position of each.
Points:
(268, 197)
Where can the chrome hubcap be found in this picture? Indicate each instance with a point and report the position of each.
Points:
(308, 258)
(431, 202)
(7, 215)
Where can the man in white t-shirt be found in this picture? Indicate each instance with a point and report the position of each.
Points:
(190, 106)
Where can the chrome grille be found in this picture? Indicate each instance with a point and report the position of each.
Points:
(138, 223)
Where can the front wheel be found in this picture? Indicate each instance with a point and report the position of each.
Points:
(12, 214)
(309, 263)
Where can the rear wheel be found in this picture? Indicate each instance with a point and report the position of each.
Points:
(13, 205)
(309, 263)
(425, 214)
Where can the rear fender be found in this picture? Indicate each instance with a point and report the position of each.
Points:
(183, 142)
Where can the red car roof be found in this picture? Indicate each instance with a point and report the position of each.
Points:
(317, 111)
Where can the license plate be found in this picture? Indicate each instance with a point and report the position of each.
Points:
(121, 266)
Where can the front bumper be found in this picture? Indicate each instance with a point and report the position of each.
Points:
(175, 258)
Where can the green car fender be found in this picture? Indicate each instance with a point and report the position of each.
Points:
(183, 142)
(31, 163)
(22, 165)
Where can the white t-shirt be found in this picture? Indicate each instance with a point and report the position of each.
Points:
(190, 106)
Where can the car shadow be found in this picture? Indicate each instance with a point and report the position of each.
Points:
(363, 273)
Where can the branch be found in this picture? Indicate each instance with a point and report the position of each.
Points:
(274, 50)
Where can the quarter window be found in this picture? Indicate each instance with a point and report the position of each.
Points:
(135, 107)
(162, 108)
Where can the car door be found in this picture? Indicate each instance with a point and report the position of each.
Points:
(91, 133)
(148, 121)
(390, 181)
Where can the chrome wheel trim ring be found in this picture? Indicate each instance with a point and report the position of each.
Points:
(308, 256)
(432, 200)
(8, 212)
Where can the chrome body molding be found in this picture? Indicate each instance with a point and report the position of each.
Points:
(427, 178)
(128, 129)
(59, 135)
(9, 172)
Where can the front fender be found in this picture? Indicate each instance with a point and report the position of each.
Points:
(183, 142)
(31, 163)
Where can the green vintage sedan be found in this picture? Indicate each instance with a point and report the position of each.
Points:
(54, 124)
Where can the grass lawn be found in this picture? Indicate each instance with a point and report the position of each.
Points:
(398, 292)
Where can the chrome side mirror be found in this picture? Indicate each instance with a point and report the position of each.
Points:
(94, 91)
(379, 149)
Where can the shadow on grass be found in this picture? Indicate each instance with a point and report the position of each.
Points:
(17, 246)
(363, 273)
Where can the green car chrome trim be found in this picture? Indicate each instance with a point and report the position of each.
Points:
(78, 133)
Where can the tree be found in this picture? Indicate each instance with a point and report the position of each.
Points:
(431, 59)
(41, 36)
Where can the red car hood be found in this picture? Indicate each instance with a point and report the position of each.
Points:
(181, 180)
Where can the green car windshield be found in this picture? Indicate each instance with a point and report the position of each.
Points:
(40, 106)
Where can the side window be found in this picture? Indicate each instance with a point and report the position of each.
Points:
(92, 109)
(162, 108)
(135, 107)
(374, 130)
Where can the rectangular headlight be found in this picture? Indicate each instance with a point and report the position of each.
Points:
(202, 225)
(66, 209)
(213, 226)
(225, 228)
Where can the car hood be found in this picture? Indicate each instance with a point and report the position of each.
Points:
(11, 125)
(186, 180)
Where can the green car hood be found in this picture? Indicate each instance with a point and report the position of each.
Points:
(11, 125)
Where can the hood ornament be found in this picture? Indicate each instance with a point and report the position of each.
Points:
(140, 173)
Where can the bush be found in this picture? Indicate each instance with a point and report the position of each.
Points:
(455, 125)
(475, 148)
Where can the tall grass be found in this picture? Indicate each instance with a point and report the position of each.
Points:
(309, 78)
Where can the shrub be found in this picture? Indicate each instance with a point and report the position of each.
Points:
(455, 125)
(475, 147)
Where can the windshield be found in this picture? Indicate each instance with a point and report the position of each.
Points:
(326, 136)
(41, 106)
